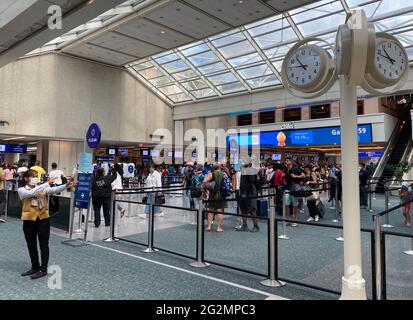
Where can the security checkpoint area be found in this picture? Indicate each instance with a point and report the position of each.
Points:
(223, 150)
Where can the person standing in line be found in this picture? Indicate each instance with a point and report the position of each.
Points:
(153, 183)
(188, 183)
(217, 204)
(236, 185)
(312, 181)
(2, 193)
(116, 186)
(405, 196)
(36, 220)
(249, 188)
(40, 171)
(101, 194)
(196, 186)
(280, 182)
(9, 177)
(364, 177)
(294, 175)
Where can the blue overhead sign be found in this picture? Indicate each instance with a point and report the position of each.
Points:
(82, 195)
(302, 137)
(93, 136)
(13, 148)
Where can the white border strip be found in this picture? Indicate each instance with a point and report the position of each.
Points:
(267, 294)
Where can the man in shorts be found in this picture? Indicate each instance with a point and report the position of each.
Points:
(294, 175)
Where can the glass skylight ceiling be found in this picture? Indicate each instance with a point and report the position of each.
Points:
(249, 58)
(102, 20)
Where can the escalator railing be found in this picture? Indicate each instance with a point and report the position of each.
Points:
(387, 152)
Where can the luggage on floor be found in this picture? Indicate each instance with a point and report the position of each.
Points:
(321, 209)
(262, 208)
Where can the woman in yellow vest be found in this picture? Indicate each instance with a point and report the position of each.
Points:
(36, 223)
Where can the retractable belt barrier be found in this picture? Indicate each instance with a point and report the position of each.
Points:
(272, 278)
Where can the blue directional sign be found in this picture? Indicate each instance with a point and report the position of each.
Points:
(93, 136)
(82, 195)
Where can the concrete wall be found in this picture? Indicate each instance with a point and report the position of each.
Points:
(59, 96)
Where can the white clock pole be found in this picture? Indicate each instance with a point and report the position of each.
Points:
(353, 284)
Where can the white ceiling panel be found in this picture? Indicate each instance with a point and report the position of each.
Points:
(234, 12)
(186, 20)
(124, 44)
(92, 52)
(148, 31)
(282, 5)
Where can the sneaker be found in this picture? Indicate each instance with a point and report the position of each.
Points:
(317, 218)
(255, 229)
(160, 214)
(408, 225)
(38, 275)
(243, 229)
(311, 219)
(143, 216)
(238, 227)
(294, 225)
(30, 272)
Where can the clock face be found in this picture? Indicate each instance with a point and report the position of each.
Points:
(390, 59)
(304, 66)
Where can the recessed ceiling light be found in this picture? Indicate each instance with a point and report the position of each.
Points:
(163, 32)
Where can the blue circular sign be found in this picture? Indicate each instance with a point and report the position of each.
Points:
(93, 136)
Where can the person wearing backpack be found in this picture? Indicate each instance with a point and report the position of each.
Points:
(218, 203)
(405, 196)
(196, 186)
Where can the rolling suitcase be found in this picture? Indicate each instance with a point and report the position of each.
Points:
(262, 208)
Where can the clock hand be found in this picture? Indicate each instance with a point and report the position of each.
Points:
(303, 66)
(298, 66)
(388, 56)
(391, 60)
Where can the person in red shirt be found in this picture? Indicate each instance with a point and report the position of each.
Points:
(279, 180)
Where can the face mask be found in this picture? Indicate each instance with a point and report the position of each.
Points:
(33, 181)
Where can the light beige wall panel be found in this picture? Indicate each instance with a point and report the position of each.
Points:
(74, 83)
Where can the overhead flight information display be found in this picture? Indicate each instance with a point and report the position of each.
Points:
(302, 137)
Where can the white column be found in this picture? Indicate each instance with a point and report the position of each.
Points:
(202, 157)
(353, 284)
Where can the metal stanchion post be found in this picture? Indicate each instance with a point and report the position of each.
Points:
(79, 225)
(273, 251)
(378, 251)
(386, 205)
(6, 208)
(336, 218)
(112, 218)
(129, 204)
(333, 199)
(284, 235)
(410, 252)
(71, 214)
(87, 219)
(199, 263)
(370, 197)
(150, 248)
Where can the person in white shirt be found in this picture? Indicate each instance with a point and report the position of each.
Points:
(56, 174)
(153, 182)
(117, 185)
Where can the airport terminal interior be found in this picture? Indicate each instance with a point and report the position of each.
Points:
(206, 150)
